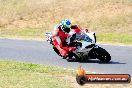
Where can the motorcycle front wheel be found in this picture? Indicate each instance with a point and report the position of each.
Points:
(103, 55)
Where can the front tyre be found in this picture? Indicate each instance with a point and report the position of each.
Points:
(103, 55)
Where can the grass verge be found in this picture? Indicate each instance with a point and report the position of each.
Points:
(116, 38)
(38, 33)
(28, 75)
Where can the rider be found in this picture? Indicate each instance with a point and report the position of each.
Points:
(60, 34)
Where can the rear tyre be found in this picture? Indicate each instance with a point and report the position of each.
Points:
(103, 55)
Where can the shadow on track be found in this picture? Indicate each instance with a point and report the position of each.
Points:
(112, 62)
(97, 61)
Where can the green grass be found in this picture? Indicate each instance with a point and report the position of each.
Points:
(28, 75)
(114, 38)
(23, 33)
(33, 33)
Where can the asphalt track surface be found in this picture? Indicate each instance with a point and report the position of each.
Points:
(41, 52)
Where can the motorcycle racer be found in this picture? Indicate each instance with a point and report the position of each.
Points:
(60, 34)
(72, 41)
